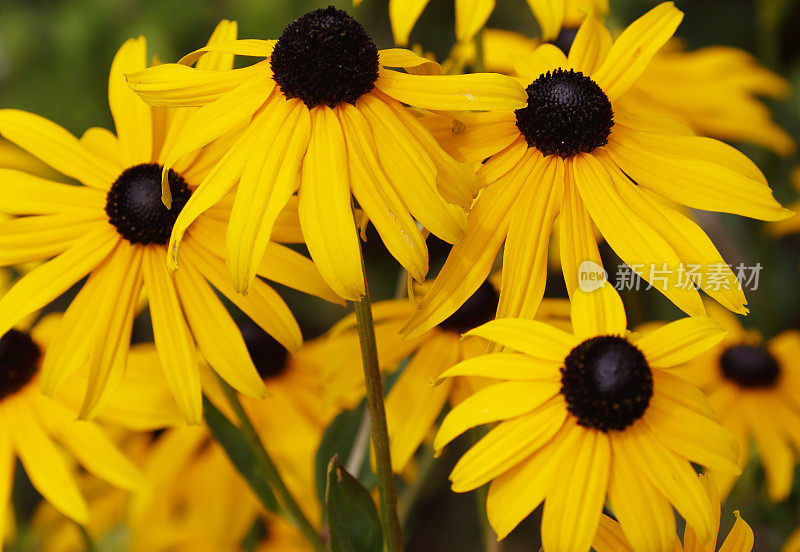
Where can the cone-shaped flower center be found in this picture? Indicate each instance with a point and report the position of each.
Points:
(567, 113)
(477, 310)
(134, 205)
(607, 383)
(270, 357)
(19, 361)
(325, 57)
(750, 366)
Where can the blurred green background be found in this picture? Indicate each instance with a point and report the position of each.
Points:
(54, 60)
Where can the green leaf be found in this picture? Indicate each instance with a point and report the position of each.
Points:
(350, 514)
(240, 454)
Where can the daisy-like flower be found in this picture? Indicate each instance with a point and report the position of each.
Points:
(610, 537)
(324, 116)
(754, 388)
(572, 155)
(114, 227)
(714, 90)
(471, 15)
(591, 416)
(33, 423)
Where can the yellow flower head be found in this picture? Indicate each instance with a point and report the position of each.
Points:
(754, 388)
(33, 424)
(114, 227)
(610, 537)
(324, 118)
(571, 154)
(591, 416)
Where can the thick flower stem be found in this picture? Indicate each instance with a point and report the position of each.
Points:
(288, 504)
(380, 436)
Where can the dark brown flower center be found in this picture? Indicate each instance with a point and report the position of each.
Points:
(270, 357)
(750, 366)
(19, 361)
(480, 308)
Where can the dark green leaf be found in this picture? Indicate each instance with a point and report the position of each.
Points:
(240, 454)
(350, 513)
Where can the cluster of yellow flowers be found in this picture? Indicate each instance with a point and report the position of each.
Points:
(218, 180)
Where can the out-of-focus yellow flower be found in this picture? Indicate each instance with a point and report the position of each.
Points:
(754, 388)
(610, 537)
(574, 156)
(586, 416)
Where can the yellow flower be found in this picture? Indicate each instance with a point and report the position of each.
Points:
(713, 90)
(471, 15)
(610, 537)
(32, 424)
(324, 116)
(585, 417)
(754, 388)
(572, 155)
(114, 228)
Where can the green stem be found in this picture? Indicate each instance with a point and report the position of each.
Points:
(380, 436)
(87, 539)
(291, 509)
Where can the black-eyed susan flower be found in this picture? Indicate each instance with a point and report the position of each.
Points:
(33, 423)
(754, 388)
(114, 227)
(324, 118)
(572, 155)
(591, 416)
(610, 537)
(714, 90)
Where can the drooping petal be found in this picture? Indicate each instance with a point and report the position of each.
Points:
(473, 92)
(270, 177)
(57, 147)
(526, 250)
(132, 117)
(325, 207)
(633, 49)
(532, 337)
(49, 280)
(172, 337)
(501, 401)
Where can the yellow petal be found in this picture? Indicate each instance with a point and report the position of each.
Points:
(632, 51)
(508, 444)
(525, 253)
(550, 16)
(477, 91)
(270, 177)
(44, 463)
(288, 267)
(500, 401)
(577, 240)
(598, 312)
(534, 338)
(7, 460)
(471, 16)
(172, 337)
(413, 404)
(609, 537)
(217, 335)
(646, 517)
(132, 117)
(590, 47)
(325, 209)
(699, 172)
(628, 232)
(121, 273)
(774, 450)
(46, 282)
(511, 366)
(411, 172)
(375, 195)
(225, 31)
(474, 136)
(26, 194)
(470, 262)
(546, 57)
(403, 15)
(27, 239)
(680, 341)
(243, 47)
(104, 144)
(406, 59)
(57, 147)
(740, 539)
(573, 507)
(174, 85)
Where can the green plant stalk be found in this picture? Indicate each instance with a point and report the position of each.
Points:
(288, 504)
(380, 436)
(87, 539)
